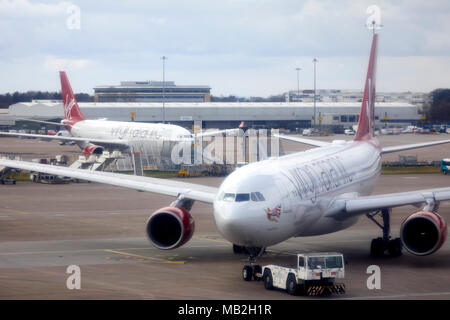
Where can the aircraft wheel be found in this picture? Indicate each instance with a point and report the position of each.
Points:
(377, 247)
(395, 247)
(257, 270)
(247, 273)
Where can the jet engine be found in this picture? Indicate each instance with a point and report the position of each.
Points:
(171, 227)
(423, 233)
(92, 149)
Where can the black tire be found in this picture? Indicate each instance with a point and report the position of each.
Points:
(257, 270)
(395, 247)
(291, 285)
(247, 273)
(377, 247)
(267, 278)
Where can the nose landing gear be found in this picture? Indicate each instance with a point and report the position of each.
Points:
(380, 245)
(252, 271)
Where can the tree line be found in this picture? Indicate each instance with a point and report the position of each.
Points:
(8, 99)
(437, 108)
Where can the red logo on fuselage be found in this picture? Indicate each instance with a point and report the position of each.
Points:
(273, 214)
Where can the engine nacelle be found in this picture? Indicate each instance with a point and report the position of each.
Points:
(92, 149)
(170, 227)
(423, 233)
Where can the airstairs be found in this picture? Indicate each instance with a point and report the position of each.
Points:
(97, 162)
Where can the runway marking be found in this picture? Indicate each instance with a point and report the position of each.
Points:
(14, 211)
(214, 240)
(91, 250)
(144, 257)
(67, 251)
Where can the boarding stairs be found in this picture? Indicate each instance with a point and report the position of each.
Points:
(96, 162)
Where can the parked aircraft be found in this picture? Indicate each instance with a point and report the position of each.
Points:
(94, 136)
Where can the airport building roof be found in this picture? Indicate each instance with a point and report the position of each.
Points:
(331, 112)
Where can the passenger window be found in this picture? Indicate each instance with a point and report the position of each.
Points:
(241, 197)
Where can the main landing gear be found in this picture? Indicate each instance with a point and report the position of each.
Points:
(379, 246)
(252, 271)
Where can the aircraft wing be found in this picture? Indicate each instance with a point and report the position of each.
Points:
(155, 185)
(229, 132)
(346, 207)
(311, 142)
(43, 122)
(412, 146)
(114, 143)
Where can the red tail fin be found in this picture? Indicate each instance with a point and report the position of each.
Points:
(71, 109)
(367, 117)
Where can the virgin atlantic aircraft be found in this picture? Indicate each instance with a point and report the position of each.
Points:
(315, 192)
(94, 136)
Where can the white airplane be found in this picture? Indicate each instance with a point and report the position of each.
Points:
(93, 136)
(315, 192)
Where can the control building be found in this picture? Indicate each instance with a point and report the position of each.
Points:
(151, 91)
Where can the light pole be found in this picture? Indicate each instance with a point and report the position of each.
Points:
(298, 82)
(315, 61)
(164, 58)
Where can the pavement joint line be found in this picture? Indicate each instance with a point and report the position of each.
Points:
(13, 211)
(144, 257)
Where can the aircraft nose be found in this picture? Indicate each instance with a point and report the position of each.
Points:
(231, 224)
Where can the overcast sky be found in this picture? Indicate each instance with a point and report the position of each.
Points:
(240, 47)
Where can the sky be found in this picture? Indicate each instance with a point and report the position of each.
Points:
(239, 47)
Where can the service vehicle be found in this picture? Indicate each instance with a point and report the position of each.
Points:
(349, 132)
(445, 166)
(6, 175)
(314, 274)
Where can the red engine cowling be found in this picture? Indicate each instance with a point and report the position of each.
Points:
(170, 227)
(92, 149)
(423, 233)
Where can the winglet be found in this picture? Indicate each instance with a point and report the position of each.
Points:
(71, 109)
(367, 116)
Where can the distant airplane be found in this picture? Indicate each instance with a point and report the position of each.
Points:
(94, 136)
(315, 192)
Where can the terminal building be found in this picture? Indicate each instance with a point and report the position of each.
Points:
(331, 116)
(151, 91)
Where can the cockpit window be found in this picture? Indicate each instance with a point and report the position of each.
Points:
(236, 197)
(229, 197)
(241, 197)
(257, 196)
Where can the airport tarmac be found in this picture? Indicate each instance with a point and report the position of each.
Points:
(100, 228)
